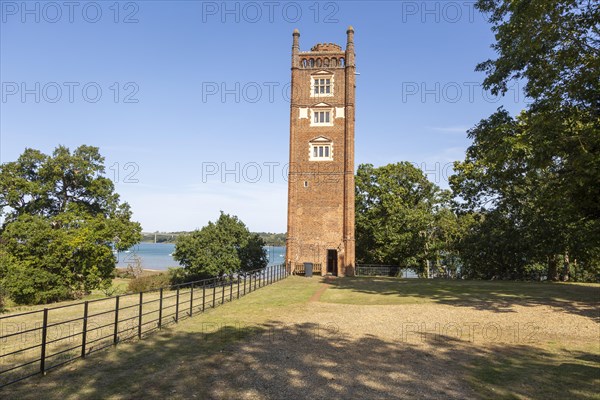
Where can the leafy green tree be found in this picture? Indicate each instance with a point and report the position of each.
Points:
(401, 217)
(220, 248)
(554, 45)
(61, 217)
(534, 178)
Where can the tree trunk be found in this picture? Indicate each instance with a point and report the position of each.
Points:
(552, 268)
(566, 268)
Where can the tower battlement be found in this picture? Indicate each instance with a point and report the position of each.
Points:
(328, 47)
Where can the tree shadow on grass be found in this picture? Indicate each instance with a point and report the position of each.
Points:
(312, 361)
(497, 296)
(308, 361)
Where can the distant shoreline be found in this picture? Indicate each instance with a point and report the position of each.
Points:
(145, 271)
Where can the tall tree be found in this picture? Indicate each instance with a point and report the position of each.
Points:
(61, 218)
(536, 176)
(399, 217)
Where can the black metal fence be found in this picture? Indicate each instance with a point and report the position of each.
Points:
(35, 342)
(383, 270)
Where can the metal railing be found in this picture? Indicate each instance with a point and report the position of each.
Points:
(35, 342)
(378, 270)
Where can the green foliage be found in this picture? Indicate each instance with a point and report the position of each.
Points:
(179, 275)
(401, 217)
(554, 45)
(532, 181)
(149, 282)
(273, 239)
(220, 248)
(61, 219)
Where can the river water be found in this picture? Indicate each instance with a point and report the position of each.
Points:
(158, 255)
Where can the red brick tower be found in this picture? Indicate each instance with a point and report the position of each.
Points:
(321, 174)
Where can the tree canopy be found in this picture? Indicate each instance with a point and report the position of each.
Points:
(401, 217)
(61, 218)
(221, 248)
(533, 179)
(525, 198)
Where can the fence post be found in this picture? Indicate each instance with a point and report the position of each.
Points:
(230, 289)
(177, 306)
(238, 284)
(84, 330)
(203, 294)
(44, 336)
(255, 282)
(214, 292)
(244, 283)
(191, 300)
(250, 284)
(222, 292)
(160, 301)
(140, 316)
(116, 332)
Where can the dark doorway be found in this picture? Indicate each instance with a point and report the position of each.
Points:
(332, 262)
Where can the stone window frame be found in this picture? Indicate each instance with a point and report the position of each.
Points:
(314, 77)
(329, 110)
(320, 142)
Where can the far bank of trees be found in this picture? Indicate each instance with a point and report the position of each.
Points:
(525, 201)
(271, 239)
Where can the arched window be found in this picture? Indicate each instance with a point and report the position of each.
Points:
(334, 62)
(304, 63)
(318, 62)
(326, 62)
(342, 62)
(311, 63)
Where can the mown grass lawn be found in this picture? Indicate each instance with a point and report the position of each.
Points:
(189, 359)
(480, 294)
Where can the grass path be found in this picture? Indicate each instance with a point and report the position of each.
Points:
(363, 338)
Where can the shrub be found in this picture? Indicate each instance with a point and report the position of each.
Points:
(150, 282)
(179, 275)
(2, 295)
(27, 285)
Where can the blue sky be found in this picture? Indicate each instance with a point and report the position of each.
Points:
(187, 100)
